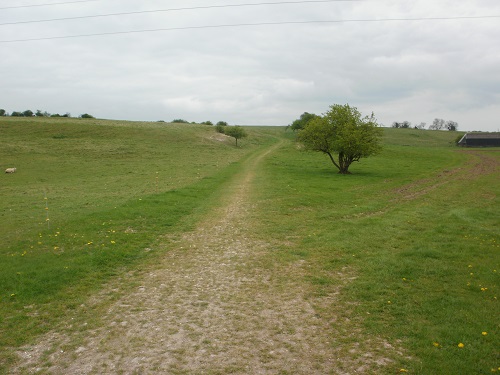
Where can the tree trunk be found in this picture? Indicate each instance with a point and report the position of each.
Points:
(344, 162)
(333, 160)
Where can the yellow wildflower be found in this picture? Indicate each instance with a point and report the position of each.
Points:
(460, 345)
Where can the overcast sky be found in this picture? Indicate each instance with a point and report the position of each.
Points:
(267, 74)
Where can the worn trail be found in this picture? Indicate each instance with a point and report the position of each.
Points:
(208, 307)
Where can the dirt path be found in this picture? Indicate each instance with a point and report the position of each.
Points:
(209, 307)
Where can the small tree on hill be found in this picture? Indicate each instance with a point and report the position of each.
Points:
(402, 125)
(86, 115)
(437, 124)
(237, 132)
(451, 125)
(343, 135)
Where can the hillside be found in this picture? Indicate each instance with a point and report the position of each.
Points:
(169, 250)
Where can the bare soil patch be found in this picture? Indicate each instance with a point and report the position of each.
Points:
(210, 307)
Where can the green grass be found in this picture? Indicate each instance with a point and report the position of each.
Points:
(414, 226)
(111, 189)
(420, 236)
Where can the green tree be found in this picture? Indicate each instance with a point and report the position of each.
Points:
(342, 134)
(302, 121)
(28, 113)
(220, 127)
(237, 132)
(3, 112)
(86, 115)
(451, 125)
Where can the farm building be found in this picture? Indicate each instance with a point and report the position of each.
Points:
(480, 140)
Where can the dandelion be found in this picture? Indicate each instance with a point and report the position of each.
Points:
(436, 344)
(403, 370)
(484, 289)
(484, 333)
(460, 345)
(113, 242)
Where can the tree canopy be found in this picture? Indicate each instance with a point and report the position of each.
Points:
(342, 134)
(237, 132)
(301, 122)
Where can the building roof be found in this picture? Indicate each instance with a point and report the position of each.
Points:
(480, 135)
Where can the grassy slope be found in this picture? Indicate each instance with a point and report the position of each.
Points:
(398, 224)
(112, 189)
(415, 227)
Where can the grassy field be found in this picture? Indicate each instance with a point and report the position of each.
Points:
(415, 229)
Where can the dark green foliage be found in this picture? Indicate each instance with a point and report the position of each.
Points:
(451, 125)
(86, 115)
(301, 122)
(402, 125)
(220, 128)
(180, 121)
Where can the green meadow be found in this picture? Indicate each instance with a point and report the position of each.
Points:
(415, 229)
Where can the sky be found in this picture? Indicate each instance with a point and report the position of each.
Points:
(249, 62)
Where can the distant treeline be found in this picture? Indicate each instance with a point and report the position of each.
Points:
(39, 113)
(437, 124)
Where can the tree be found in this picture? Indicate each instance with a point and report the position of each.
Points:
(404, 124)
(301, 122)
(28, 113)
(237, 132)
(437, 124)
(220, 127)
(86, 115)
(2, 112)
(207, 123)
(17, 114)
(342, 134)
(451, 125)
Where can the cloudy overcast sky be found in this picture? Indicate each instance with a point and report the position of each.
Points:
(248, 64)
